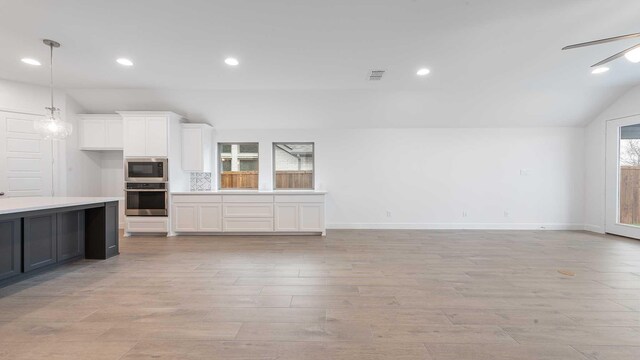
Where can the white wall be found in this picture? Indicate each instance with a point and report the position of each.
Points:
(427, 178)
(595, 133)
(77, 173)
(83, 168)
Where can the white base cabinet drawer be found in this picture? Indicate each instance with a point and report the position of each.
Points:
(247, 224)
(248, 210)
(146, 224)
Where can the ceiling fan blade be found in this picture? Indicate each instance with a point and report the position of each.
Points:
(616, 56)
(601, 41)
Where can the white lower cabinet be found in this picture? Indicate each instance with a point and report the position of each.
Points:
(197, 216)
(250, 213)
(300, 217)
(311, 217)
(185, 217)
(210, 217)
(286, 218)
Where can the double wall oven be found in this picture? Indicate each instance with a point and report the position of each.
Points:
(146, 187)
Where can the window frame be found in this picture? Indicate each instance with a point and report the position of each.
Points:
(220, 170)
(313, 163)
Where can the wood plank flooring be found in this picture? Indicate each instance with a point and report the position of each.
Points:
(438, 295)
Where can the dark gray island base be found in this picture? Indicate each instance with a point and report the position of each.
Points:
(35, 241)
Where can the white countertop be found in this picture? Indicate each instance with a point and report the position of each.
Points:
(10, 205)
(251, 192)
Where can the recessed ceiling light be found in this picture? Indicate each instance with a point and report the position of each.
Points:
(423, 72)
(633, 55)
(124, 62)
(31, 61)
(600, 70)
(231, 61)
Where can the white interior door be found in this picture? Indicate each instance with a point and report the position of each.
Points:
(623, 177)
(25, 159)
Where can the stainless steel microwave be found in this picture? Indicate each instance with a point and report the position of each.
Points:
(146, 170)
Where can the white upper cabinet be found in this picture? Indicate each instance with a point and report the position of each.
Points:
(100, 132)
(135, 130)
(197, 149)
(146, 133)
(157, 142)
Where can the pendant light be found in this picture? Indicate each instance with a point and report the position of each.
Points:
(52, 126)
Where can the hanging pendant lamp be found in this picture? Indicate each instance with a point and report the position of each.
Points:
(52, 126)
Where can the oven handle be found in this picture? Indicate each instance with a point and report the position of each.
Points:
(147, 190)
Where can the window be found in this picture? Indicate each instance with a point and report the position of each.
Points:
(293, 165)
(238, 165)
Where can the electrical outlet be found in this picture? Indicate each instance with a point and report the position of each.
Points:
(464, 213)
(388, 213)
(506, 214)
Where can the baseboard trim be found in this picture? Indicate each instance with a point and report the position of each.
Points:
(456, 226)
(594, 228)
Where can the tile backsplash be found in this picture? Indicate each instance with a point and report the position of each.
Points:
(200, 181)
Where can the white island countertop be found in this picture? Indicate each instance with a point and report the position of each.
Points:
(251, 192)
(11, 205)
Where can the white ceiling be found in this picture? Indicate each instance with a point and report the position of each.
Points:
(493, 62)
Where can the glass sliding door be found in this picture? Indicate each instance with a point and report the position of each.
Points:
(623, 177)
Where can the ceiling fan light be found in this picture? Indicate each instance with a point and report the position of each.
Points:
(633, 55)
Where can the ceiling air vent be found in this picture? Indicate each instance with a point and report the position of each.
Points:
(375, 75)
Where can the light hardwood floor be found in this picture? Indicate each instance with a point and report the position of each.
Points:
(443, 295)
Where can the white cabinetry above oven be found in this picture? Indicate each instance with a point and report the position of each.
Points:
(150, 133)
(251, 212)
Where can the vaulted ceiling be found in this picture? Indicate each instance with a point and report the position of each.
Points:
(493, 62)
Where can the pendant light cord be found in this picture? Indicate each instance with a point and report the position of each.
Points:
(51, 76)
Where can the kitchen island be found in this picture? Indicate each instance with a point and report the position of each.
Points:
(41, 233)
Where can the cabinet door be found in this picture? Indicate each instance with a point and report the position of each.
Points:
(39, 241)
(192, 151)
(185, 217)
(311, 217)
(112, 222)
(114, 134)
(210, 217)
(10, 252)
(70, 235)
(156, 137)
(134, 136)
(92, 134)
(286, 217)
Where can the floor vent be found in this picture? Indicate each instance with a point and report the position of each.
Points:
(375, 75)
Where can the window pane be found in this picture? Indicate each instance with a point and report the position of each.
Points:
(293, 165)
(249, 148)
(249, 165)
(238, 166)
(629, 175)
